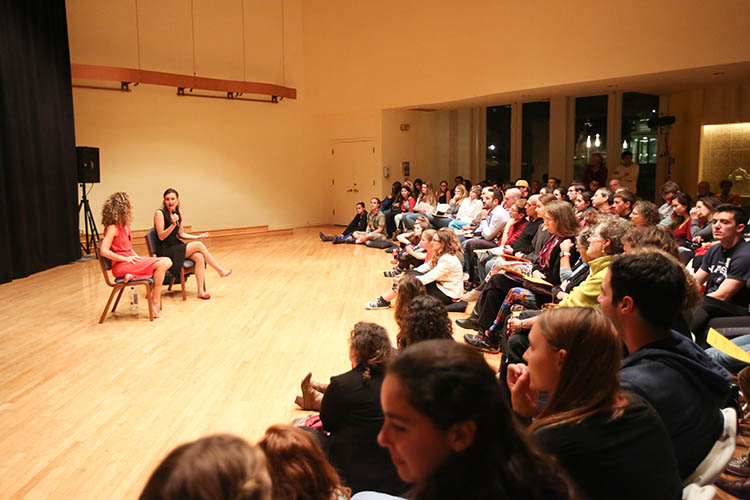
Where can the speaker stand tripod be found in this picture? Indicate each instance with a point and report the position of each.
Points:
(89, 223)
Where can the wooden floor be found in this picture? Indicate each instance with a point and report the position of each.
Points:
(88, 410)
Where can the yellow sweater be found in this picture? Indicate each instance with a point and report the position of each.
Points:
(585, 294)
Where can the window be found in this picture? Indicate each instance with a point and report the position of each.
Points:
(498, 143)
(535, 141)
(590, 131)
(641, 140)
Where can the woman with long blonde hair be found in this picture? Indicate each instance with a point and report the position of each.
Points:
(600, 433)
(384, 301)
(117, 246)
(426, 204)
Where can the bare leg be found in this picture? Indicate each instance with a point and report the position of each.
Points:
(390, 296)
(160, 268)
(198, 246)
(200, 275)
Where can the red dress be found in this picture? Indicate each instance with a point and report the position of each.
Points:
(122, 244)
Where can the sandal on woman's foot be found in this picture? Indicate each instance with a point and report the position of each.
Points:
(226, 273)
(204, 296)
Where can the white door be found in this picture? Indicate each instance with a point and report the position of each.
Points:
(353, 177)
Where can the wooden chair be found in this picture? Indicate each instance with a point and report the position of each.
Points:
(188, 267)
(118, 285)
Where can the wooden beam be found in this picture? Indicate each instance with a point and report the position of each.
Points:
(115, 74)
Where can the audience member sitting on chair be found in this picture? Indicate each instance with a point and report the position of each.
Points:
(611, 442)
(117, 246)
(351, 415)
(358, 223)
(725, 270)
(168, 222)
(642, 294)
(220, 467)
(298, 467)
(449, 430)
(644, 214)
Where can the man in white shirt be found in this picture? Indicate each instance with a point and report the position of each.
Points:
(627, 172)
(489, 229)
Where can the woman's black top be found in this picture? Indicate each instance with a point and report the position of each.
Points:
(171, 246)
(625, 458)
(351, 412)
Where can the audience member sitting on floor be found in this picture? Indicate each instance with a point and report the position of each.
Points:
(351, 415)
(645, 213)
(442, 275)
(426, 319)
(411, 254)
(409, 287)
(375, 225)
(643, 294)
(612, 443)
(298, 467)
(220, 467)
(449, 430)
(117, 246)
(358, 223)
(425, 244)
(725, 270)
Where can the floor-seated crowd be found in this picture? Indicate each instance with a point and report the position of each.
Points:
(599, 303)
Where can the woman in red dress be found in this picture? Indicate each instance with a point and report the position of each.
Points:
(117, 246)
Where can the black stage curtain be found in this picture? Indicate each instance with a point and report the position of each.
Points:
(38, 193)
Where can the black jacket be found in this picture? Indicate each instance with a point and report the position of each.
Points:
(686, 388)
(351, 412)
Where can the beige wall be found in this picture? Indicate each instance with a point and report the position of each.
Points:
(392, 53)
(696, 108)
(232, 162)
(236, 162)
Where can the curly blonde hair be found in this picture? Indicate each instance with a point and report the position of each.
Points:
(116, 210)
(450, 243)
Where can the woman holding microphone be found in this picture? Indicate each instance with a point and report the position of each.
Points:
(168, 223)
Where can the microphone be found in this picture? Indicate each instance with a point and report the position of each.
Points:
(177, 222)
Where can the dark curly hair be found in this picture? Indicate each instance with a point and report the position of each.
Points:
(372, 347)
(427, 319)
